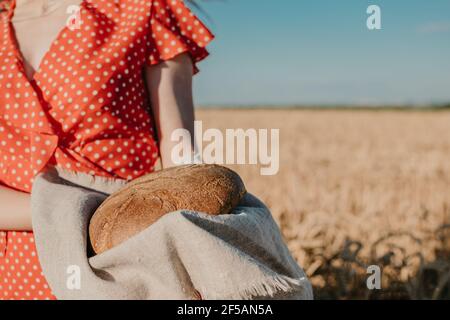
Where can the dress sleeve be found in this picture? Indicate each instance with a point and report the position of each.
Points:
(174, 29)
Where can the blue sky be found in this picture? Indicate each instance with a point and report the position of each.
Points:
(277, 52)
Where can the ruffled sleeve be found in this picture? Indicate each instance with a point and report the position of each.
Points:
(174, 29)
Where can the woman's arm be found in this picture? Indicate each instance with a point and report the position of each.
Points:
(15, 210)
(170, 86)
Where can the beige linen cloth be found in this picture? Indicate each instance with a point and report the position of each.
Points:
(237, 256)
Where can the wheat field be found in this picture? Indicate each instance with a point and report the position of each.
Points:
(358, 188)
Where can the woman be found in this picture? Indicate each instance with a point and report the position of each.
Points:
(87, 93)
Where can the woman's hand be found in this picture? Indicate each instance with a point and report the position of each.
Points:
(15, 210)
(170, 86)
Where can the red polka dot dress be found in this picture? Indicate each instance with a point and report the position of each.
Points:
(86, 108)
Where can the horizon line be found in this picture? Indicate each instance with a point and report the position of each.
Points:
(436, 106)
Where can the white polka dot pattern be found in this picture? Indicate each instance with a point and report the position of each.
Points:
(86, 108)
(20, 273)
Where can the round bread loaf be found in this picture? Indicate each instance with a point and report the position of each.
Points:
(211, 189)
